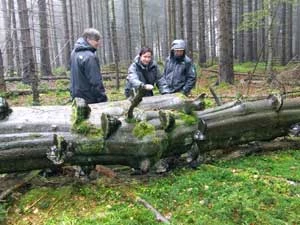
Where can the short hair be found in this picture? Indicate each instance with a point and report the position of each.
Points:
(91, 33)
(145, 50)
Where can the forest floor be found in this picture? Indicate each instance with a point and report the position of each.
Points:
(259, 189)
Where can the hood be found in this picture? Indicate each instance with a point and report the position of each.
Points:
(178, 44)
(82, 45)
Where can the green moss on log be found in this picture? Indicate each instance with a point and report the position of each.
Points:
(142, 129)
(188, 119)
(90, 146)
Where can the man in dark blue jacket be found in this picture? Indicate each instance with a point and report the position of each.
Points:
(179, 72)
(86, 79)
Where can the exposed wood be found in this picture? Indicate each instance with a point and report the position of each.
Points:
(28, 177)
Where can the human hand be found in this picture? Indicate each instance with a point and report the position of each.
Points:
(148, 87)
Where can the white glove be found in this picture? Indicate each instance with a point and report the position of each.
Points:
(148, 87)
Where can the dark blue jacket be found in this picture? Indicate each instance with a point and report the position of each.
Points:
(86, 79)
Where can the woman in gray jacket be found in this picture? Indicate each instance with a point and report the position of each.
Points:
(143, 72)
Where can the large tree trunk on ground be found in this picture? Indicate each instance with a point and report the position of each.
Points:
(162, 126)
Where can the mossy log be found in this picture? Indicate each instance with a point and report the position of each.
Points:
(162, 126)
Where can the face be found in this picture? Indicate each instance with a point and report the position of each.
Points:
(94, 43)
(146, 58)
(178, 52)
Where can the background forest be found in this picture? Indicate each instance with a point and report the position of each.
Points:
(38, 35)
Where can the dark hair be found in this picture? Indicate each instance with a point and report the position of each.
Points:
(145, 50)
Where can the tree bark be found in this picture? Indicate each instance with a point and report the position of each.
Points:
(226, 43)
(163, 126)
(115, 45)
(201, 32)
(29, 71)
(67, 48)
(44, 40)
(189, 28)
(141, 23)
(2, 82)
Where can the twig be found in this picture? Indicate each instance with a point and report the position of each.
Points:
(29, 177)
(157, 214)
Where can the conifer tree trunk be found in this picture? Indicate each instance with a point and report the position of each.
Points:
(180, 19)
(115, 44)
(128, 47)
(250, 36)
(142, 24)
(71, 23)
(44, 40)
(29, 75)
(189, 28)
(201, 30)
(226, 42)
(8, 38)
(283, 34)
(90, 14)
(2, 82)
(241, 33)
(290, 33)
(212, 30)
(67, 48)
(109, 37)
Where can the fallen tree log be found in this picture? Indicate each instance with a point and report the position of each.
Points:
(160, 126)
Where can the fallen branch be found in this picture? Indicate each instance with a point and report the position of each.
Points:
(157, 214)
(29, 177)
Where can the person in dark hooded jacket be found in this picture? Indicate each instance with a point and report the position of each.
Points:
(86, 79)
(179, 72)
(143, 72)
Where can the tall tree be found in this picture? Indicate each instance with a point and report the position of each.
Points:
(283, 34)
(255, 34)
(110, 51)
(115, 44)
(103, 32)
(142, 24)
(54, 39)
(180, 19)
(67, 47)
(8, 39)
(201, 32)
(2, 82)
(127, 27)
(270, 39)
(90, 14)
(226, 43)
(297, 41)
(290, 31)
(189, 28)
(44, 49)
(71, 23)
(15, 37)
(29, 73)
(212, 30)
(250, 36)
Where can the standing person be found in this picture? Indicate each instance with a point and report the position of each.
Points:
(143, 72)
(86, 79)
(179, 72)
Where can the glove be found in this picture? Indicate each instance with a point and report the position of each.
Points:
(148, 87)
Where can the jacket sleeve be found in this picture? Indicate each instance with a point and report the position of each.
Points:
(190, 78)
(133, 77)
(162, 83)
(92, 72)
